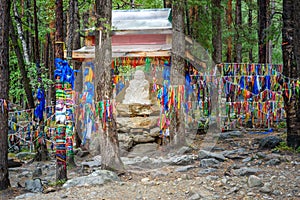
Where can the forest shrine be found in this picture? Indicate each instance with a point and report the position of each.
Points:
(250, 95)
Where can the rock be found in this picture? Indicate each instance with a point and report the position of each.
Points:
(141, 150)
(233, 190)
(82, 153)
(254, 181)
(261, 155)
(231, 134)
(185, 168)
(235, 154)
(99, 177)
(154, 132)
(137, 122)
(207, 171)
(277, 193)
(195, 196)
(14, 163)
(184, 150)
(145, 180)
(245, 171)
(125, 142)
(27, 195)
(182, 160)
(143, 139)
(248, 159)
(211, 178)
(273, 162)
(49, 190)
(269, 142)
(206, 154)
(24, 155)
(37, 172)
(266, 188)
(211, 162)
(91, 164)
(34, 185)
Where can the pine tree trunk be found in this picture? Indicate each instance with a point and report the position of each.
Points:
(291, 68)
(42, 152)
(61, 169)
(262, 21)
(238, 24)
(77, 66)
(70, 35)
(177, 126)
(250, 29)
(109, 145)
(4, 88)
(217, 31)
(229, 24)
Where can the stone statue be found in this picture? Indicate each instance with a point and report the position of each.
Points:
(138, 90)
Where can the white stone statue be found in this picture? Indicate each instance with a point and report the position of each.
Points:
(138, 90)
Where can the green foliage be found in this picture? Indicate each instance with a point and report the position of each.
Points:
(16, 91)
(57, 183)
(139, 4)
(283, 147)
(281, 125)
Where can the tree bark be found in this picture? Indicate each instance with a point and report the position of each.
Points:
(262, 35)
(70, 36)
(216, 31)
(177, 126)
(22, 66)
(291, 68)
(77, 66)
(59, 34)
(238, 24)
(21, 34)
(61, 169)
(4, 88)
(250, 22)
(109, 145)
(42, 152)
(229, 24)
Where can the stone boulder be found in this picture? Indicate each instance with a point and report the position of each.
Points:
(34, 185)
(270, 142)
(99, 177)
(147, 149)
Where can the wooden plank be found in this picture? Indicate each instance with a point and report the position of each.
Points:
(120, 40)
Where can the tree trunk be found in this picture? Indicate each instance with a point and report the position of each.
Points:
(270, 44)
(21, 34)
(250, 22)
(4, 88)
(109, 145)
(262, 35)
(42, 152)
(177, 126)
(70, 35)
(61, 169)
(291, 68)
(229, 24)
(59, 34)
(77, 66)
(216, 31)
(238, 24)
(22, 66)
